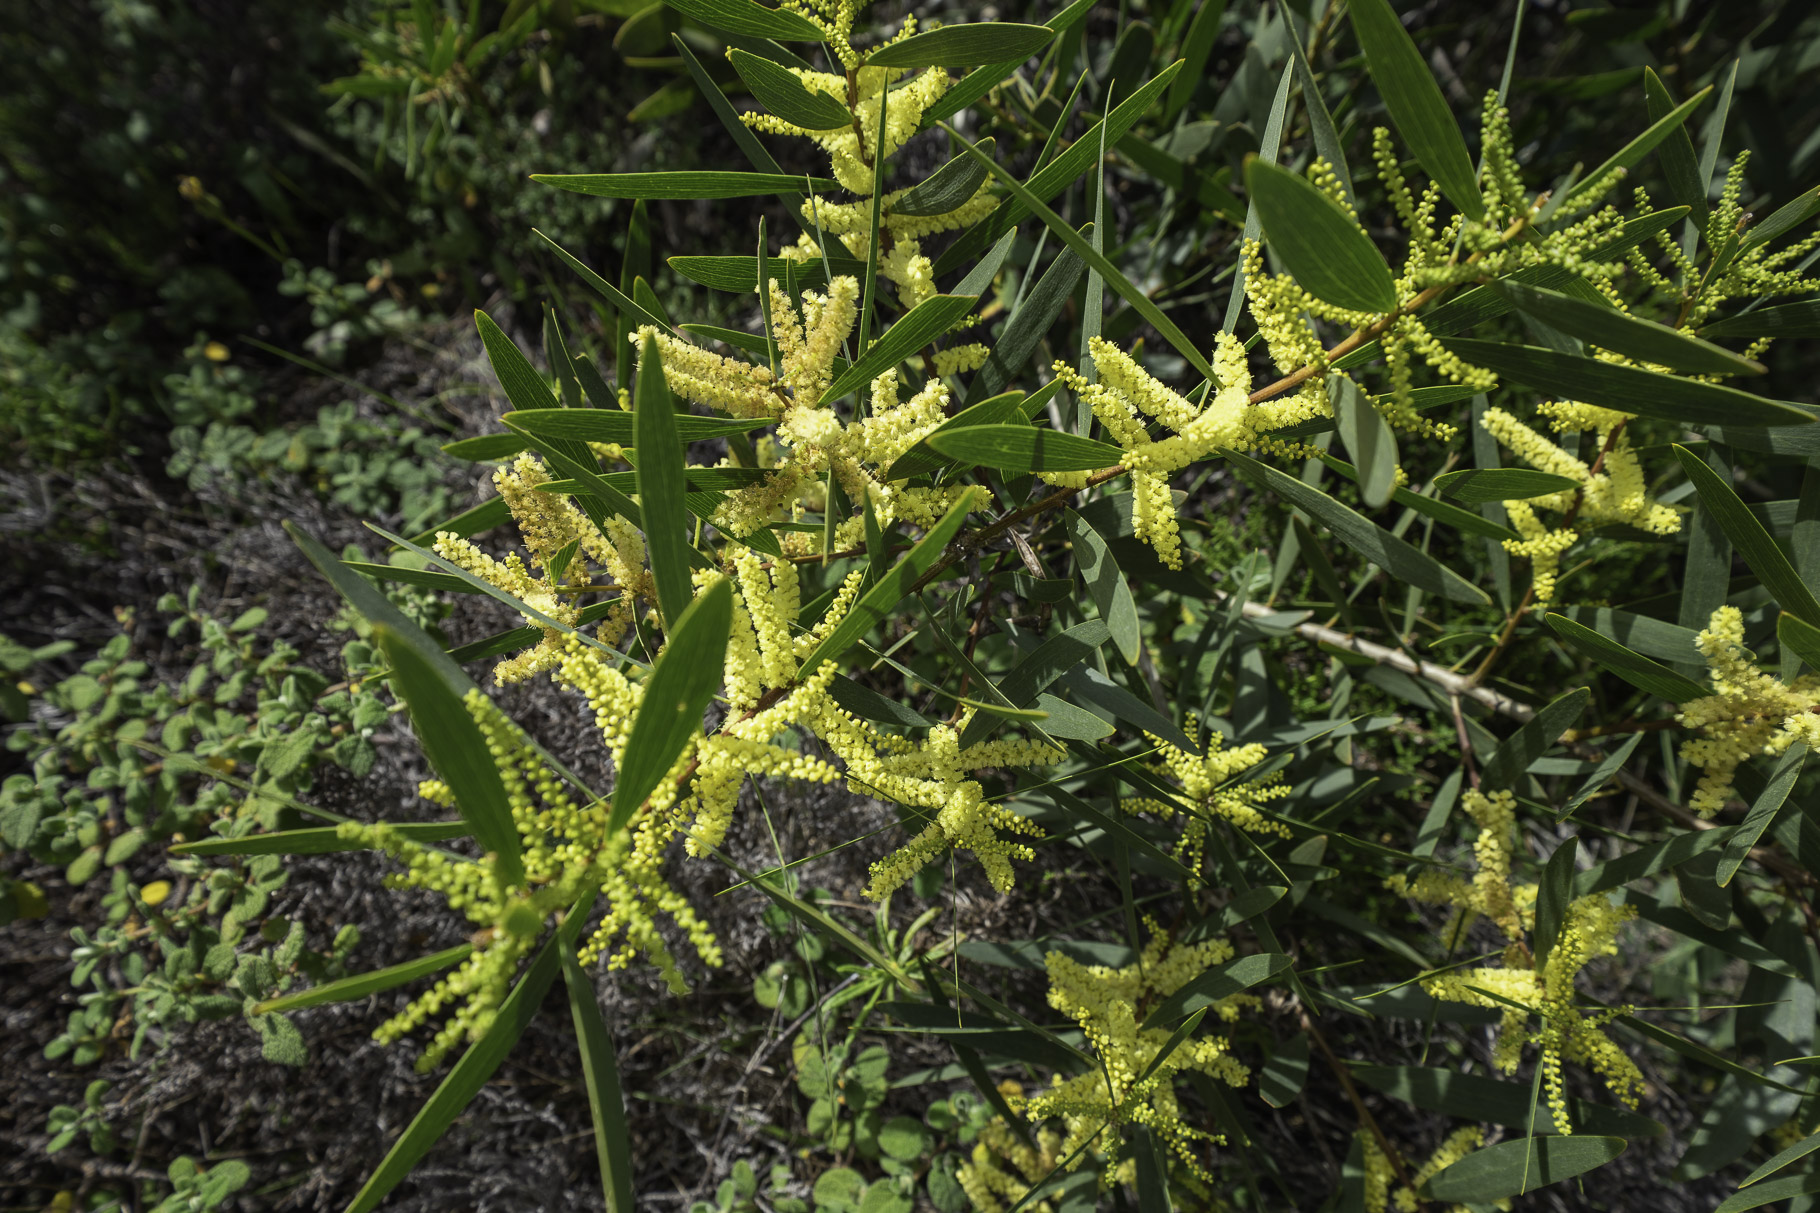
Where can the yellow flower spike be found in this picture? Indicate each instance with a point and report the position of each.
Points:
(1750, 712)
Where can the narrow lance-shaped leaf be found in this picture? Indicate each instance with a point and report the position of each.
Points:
(1625, 388)
(876, 603)
(924, 323)
(1554, 891)
(458, 750)
(1786, 218)
(1789, 1187)
(1472, 1097)
(1416, 105)
(1032, 320)
(922, 458)
(1106, 585)
(1633, 152)
(1803, 639)
(947, 188)
(780, 91)
(1367, 438)
(1512, 1168)
(749, 18)
(1537, 736)
(680, 185)
(1322, 246)
(1083, 248)
(318, 840)
(964, 46)
(600, 1071)
(362, 984)
(670, 715)
(1605, 326)
(1679, 163)
(1788, 320)
(662, 486)
(1396, 557)
(1626, 663)
(1023, 448)
(1476, 486)
(1767, 560)
(1762, 813)
(612, 425)
(1215, 984)
(468, 1075)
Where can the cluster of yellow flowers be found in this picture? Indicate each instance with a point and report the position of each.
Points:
(566, 850)
(552, 525)
(1381, 1188)
(1213, 781)
(1614, 494)
(1126, 399)
(1519, 987)
(984, 1177)
(1134, 1083)
(1750, 711)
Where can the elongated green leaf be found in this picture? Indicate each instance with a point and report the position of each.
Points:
(483, 517)
(749, 18)
(947, 188)
(1794, 1153)
(1601, 775)
(468, 1075)
(1648, 861)
(1322, 246)
(1757, 1196)
(783, 93)
(377, 608)
(1367, 439)
(1432, 507)
(1479, 485)
(1059, 174)
(1554, 891)
(486, 446)
(600, 1070)
(964, 46)
(1471, 1097)
(1605, 326)
(457, 749)
(877, 603)
(448, 583)
(681, 185)
(1788, 320)
(1768, 561)
(1537, 736)
(661, 486)
(1762, 813)
(1632, 153)
(1415, 103)
(670, 715)
(1397, 558)
(1626, 388)
(1223, 982)
(611, 425)
(477, 583)
(921, 458)
(1512, 1168)
(317, 840)
(1106, 585)
(1039, 668)
(1786, 218)
(1094, 260)
(1801, 638)
(1023, 448)
(924, 323)
(363, 984)
(1631, 666)
(622, 303)
(513, 640)
(1034, 317)
(1679, 163)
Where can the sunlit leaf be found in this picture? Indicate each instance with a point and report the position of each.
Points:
(1319, 243)
(662, 486)
(362, 984)
(1023, 448)
(1416, 105)
(964, 45)
(1512, 1168)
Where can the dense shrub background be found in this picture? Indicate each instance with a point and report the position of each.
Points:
(185, 213)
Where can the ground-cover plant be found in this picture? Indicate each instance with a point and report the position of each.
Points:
(946, 525)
